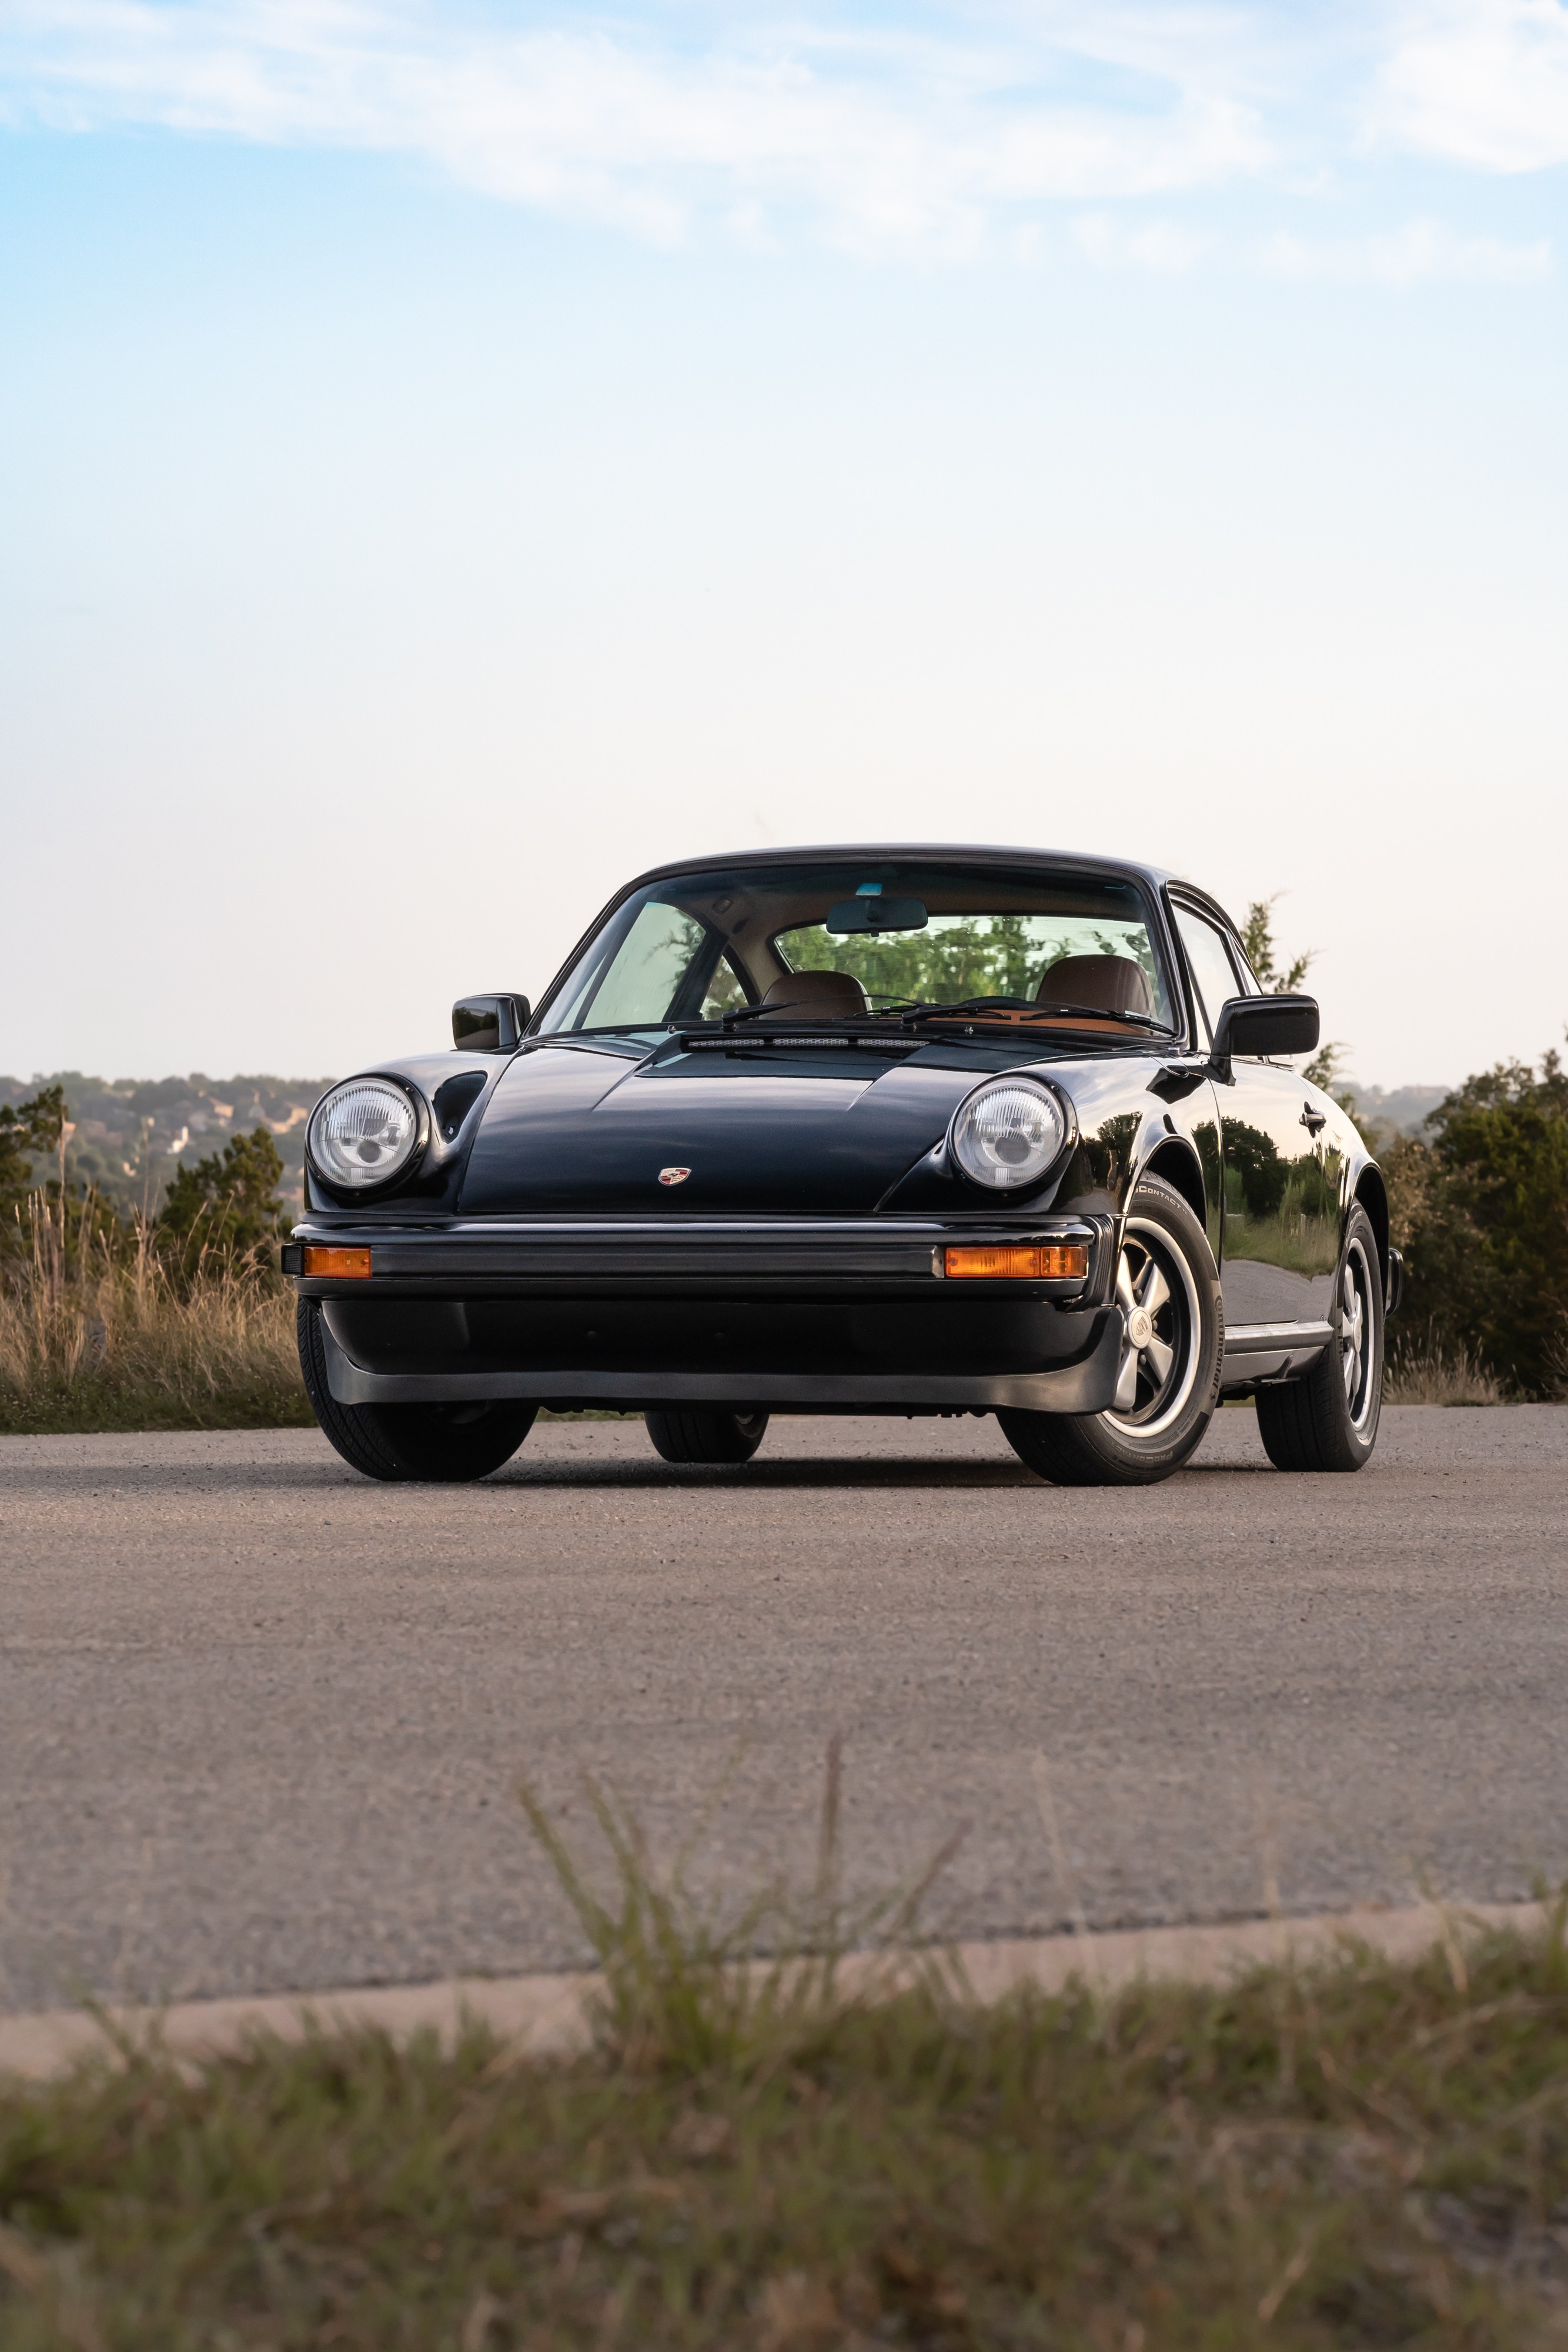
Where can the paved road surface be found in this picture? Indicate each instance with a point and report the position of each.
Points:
(260, 1721)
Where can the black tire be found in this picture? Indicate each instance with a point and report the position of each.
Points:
(441, 1444)
(1167, 1402)
(1327, 1420)
(704, 1436)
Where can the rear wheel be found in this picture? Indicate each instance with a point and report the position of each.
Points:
(441, 1444)
(705, 1436)
(1167, 1291)
(1327, 1420)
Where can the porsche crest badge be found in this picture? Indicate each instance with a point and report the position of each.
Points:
(674, 1175)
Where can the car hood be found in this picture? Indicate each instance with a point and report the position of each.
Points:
(817, 1134)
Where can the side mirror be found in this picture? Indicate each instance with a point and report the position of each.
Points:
(489, 1025)
(1266, 1024)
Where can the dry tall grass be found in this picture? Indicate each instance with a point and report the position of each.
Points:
(1435, 1375)
(92, 1341)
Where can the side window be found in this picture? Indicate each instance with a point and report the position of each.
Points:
(724, 993)
(648, 968)
(1251, 984)
(1214, 975)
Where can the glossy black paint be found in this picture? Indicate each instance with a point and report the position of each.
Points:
(567, 1137)
(764, 1132)
(489, 1025)
(1267, 1024)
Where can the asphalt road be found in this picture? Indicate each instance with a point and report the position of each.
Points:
(261, 1722)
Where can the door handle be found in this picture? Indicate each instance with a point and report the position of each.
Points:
(1314, 1121)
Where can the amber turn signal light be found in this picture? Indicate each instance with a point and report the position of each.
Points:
(1050, 1262)
(351, 1265)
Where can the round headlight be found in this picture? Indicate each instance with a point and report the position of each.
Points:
(364, 1133)
(1007, 1133)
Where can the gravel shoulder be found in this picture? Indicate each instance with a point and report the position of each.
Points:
(261, 1723)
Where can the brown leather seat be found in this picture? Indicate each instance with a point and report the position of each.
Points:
(815, 995)
(1110, 984)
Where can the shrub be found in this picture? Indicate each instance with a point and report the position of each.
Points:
(1482, 1212)
(224, 1210)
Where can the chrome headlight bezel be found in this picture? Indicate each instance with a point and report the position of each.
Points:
(991, 1177)
(359, 1187)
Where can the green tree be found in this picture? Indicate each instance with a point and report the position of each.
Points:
(1257, 939)
(28, 1131)
(226, 1210)
(63, 1219)
(1485, 1224)
(955, 958)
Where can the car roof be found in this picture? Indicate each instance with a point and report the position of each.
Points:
(1154, 877)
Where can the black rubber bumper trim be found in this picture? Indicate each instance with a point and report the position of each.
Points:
(1086, 1385)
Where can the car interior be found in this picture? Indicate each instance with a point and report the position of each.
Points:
(835, 943)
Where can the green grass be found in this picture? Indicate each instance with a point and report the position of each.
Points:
(90, 1408)
(1355, 2154)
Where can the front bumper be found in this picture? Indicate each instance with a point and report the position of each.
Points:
(809, 1314)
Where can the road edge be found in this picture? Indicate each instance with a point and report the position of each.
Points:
(550, 2015)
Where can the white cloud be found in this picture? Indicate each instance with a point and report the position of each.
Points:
(1159, 246)
(1419, 252)
(887, 140)
(947, 140)
(1483, 82)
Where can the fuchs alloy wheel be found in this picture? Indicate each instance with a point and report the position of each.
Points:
(705, 1436)
(441, 1444)
(1167, 1293)
(1328, 1419)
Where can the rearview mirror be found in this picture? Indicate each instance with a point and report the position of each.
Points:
(1266, 1024)
(868, 914)
(489, 1025)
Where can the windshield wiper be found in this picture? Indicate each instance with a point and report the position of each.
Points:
(1098, 1013)
(906, 1011)
(799, 1018)
(873, 1037)
(1031, 1008)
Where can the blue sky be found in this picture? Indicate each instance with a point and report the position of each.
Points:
(450, 458)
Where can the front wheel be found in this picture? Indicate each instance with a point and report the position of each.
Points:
(1173, 1339)
(440, 1444)
(1327, 1420)
(705, 1436)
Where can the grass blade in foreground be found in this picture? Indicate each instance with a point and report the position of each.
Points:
(1353, 2153)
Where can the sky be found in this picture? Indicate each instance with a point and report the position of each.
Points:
(451, 457)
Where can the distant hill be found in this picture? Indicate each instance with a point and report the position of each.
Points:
(1403, 1107)
(126, 1136)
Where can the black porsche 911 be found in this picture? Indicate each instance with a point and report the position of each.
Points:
(874, 1130)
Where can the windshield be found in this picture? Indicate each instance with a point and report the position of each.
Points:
(842, 941)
